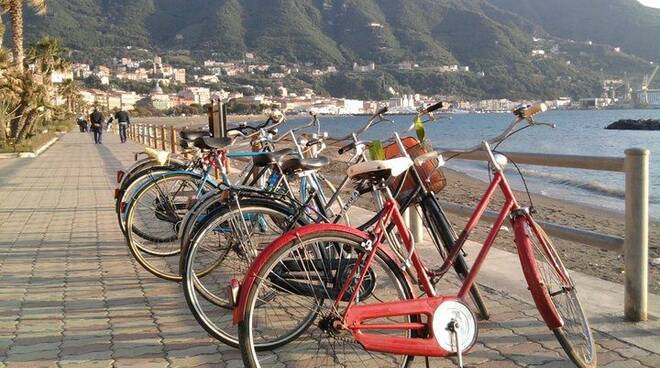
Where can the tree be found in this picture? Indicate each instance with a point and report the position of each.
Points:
(47, 56)
(15, 10)
(70, 91)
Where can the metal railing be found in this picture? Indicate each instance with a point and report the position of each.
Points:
(634, 244)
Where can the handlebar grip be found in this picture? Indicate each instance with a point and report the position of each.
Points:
(347, 147)
(313, 142)
(534, 109)
(382, 111)
(434, 107)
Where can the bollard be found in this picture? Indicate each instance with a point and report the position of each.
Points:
(172, 140)
(416, 225)
(635, 249)
(406, 217)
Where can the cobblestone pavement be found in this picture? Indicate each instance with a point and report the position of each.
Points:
(71, 295)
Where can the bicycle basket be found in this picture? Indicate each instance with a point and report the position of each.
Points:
(433, 178)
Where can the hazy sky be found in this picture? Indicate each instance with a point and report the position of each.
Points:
(651, 3)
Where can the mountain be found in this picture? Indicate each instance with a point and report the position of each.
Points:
(493, 36)
(625, 23)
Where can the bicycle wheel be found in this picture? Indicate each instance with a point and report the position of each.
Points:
(129, 188)
(153, 220)
(554, 293)
(293, 298)
(223, 250)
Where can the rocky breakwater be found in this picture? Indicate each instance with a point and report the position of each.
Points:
(635, 124)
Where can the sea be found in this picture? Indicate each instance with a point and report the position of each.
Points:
(577, 132)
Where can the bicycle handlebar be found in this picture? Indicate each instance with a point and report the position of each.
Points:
(432, 108)
(372, 121)
(522, 113)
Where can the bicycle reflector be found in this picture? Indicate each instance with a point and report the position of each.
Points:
(120, 175)
(233, 290)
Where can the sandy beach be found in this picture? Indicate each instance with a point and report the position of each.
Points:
(192, 121)
(465, 190)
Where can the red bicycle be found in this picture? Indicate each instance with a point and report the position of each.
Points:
(333, 295)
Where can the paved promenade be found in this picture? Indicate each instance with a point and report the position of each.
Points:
(71, 295)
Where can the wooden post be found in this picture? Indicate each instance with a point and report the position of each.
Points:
(162, 137)
(636, 242)
(172, 140)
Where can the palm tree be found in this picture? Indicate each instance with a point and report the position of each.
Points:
(70, 90)
(15, 10)
(47, 56)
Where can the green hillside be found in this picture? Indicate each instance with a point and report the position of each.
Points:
(490, 36)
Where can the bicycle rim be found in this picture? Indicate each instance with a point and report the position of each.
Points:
(575, 334)
(222, 251)
(290, 310)
(156, 212)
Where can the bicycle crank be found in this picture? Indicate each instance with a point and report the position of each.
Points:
(455, 328)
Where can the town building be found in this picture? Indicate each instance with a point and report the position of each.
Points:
(364, 68)
(200, 95)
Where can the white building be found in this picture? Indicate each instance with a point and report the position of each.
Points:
(60, 76)
(200, 95)
(351, 106)
(654, 97)
(364, 68)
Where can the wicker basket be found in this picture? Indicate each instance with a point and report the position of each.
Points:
(428, 171)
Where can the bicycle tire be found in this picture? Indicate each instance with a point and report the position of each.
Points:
(132, 183)
(135, 239)
(549, 284)
(193, 282)
(249, 349)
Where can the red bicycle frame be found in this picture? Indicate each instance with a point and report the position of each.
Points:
(356, 317)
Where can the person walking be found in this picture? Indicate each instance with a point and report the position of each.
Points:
(122, 120)
(96, 118)
(82, 123)
(108, 124)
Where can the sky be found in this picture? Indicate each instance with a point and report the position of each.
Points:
(651, 3)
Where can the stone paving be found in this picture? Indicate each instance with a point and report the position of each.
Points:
(71, 294)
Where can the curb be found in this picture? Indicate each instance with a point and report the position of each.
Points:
(34, 154)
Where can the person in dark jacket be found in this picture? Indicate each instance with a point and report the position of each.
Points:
(82, 124)
(122, 120)
(96, 118)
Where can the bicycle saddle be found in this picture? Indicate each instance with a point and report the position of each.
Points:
(191, 135)
(294, 164)
(270, 158)
(212, 142)
(380, 169)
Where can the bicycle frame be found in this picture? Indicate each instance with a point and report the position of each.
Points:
(355, 315)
